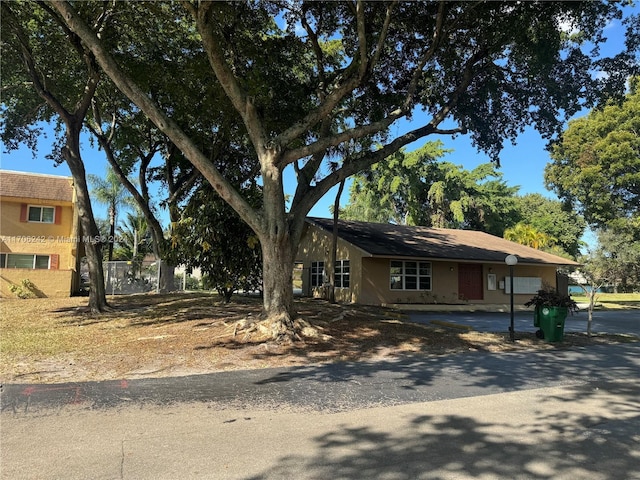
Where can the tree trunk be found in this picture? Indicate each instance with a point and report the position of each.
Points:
(71, 153)
(278, 246)
(167, 276)
(334, 245)
(277, 278)
(112, 232)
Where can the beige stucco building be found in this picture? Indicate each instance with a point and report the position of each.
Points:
(382, 264)
(39, 235)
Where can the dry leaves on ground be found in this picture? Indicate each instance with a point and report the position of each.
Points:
(57, 340)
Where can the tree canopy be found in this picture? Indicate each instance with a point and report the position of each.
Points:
(596, 163)
(418, 188)
(317, 86)
(562, 225)
(620, 249)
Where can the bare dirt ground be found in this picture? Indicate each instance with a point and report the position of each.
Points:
(57, 340)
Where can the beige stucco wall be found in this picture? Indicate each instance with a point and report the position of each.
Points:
(315, 246)
(48, 283)
(41, 239)
(370, 282)
(377, 290)
(546, 273)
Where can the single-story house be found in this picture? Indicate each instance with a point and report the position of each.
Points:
(382, 264)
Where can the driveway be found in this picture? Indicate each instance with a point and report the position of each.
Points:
(604, 321)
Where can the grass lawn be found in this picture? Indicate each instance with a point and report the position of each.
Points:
(57, 340)
(612, 300)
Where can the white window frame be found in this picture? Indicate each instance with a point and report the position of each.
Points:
(316, 276)
(4, 260)
(41, 207)
(342, 274)
(401, 273)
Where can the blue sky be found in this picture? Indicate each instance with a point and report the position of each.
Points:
(522, 164)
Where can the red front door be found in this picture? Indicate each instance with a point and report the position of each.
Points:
(470, 281)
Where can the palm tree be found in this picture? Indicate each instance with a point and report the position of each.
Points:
(111, 192)
(530, 236)
(134, 237)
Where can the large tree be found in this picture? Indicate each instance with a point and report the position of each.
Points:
(621, 247)
(596, 163)
(48, 75)
(417, 188)
(554, 218)
(314, 81)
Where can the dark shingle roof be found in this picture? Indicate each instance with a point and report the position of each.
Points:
(378, 239)
(35, 185)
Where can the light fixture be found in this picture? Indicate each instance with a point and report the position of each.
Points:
(511, 260)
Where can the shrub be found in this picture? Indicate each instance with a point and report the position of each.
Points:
(552, 298)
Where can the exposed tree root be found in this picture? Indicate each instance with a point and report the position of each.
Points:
(278, 328)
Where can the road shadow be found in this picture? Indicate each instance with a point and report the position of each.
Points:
(440, 447)
(343, 386)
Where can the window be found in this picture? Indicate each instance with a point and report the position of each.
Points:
(410, 275)
(41, 214)
(317, 274)
(342, 274)
(19, 260)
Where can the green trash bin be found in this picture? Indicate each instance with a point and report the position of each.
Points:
(551, 322)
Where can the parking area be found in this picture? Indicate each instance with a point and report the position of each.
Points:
(610, 321)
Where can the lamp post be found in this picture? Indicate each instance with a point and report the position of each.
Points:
(511, 260)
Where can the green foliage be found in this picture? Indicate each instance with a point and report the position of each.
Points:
(596, 165)
(554, 219)
(211, 236)
(551, 298)
(616, 260)
(111, 192)
(192, 283)
(416, 188)
(26, 289)
(528, 235)
(133, 239)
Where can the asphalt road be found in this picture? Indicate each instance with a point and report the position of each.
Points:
(561, 414)
(342, 386)
(609, 321)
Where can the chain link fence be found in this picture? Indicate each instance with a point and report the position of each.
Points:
(126, 277)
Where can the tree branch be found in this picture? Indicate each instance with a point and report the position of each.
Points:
(353, 166)
(435, 43)
(322, 144)
(153, 112)
(39, 83)
(351, 81)
(383, 36)
(240, 100)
